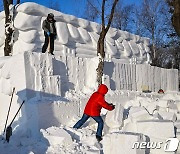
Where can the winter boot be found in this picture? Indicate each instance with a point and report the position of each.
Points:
(99, 138)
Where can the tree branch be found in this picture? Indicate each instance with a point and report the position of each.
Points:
(103, 9)
(6, 9)
(10, 2)
(111, 15)
(93, 7)
(18, 2)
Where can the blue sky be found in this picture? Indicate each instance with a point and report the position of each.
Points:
(74, 7)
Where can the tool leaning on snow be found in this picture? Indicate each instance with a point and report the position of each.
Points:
(9, 128)
(9, 109)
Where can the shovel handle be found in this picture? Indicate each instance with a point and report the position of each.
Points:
(17, 113)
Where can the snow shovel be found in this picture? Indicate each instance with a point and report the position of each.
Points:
(9, 110)
(9, 128)
(49, 47)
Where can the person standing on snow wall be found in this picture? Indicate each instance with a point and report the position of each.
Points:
(49, 32)
(93, 109)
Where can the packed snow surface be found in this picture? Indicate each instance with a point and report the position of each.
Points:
(137, 116)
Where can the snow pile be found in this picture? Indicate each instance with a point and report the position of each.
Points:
(75, 36)
(139, 122)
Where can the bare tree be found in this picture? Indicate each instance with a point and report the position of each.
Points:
(91, 12)
(8, 28)
(100, 44)
(175, 4)
(153, 19)
(10, 1)
(122, 16)
(18, 2)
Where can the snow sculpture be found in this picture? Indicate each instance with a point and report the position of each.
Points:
(71, 31)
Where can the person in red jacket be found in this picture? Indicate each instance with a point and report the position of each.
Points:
(93, 109)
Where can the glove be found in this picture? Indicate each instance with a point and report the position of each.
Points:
(48, 33)
(113, 106)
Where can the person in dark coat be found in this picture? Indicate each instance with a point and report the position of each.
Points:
(93, 109)
(49, 32)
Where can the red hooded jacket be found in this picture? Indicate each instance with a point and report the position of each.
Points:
(96, 102)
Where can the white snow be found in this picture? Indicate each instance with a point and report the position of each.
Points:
(56, 89)
(125, 140)
(70, 31)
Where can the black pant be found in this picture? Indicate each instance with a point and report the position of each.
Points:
(47, 40)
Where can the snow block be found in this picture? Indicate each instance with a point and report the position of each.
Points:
(111, 49)
(95, 27)
(156, 128)
(32, 22)
(134, 47)
(51, 86)
(122, 143)
(129, 126)
(21, 46)
(94, 38)
(70, 19)
(84, 34)
(124, 34)
(91, 65)
(6, 87)
(142, 49)
(62, 32)
(138, 114)
(146, 40)
(113, 33)
(151, 108)
(83, 23)
(2, 32)
(55, 113)
(36, 9)
(28, 36)
(119, 46)
(162, 103)
(114, 119)
(127, 49)
(168, 116)
(74, 33)
(57, 136)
